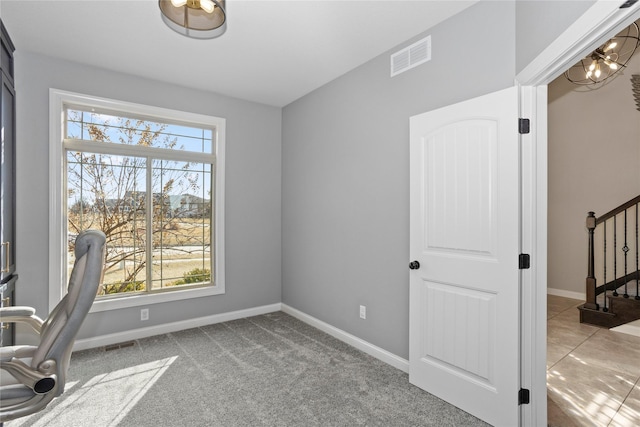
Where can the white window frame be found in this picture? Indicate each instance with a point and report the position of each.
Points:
(58, 99)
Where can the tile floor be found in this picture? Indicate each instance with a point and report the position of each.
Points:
(593, 374)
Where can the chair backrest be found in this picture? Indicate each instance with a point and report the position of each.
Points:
(63, 323)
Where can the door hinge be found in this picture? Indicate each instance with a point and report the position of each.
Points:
(628, 3)
(523, 396)
(523, 126)
(524, 261)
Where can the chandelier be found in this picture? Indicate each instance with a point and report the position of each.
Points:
(606, 60)
(199, 19)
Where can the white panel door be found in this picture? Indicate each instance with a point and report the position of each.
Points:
(464, 225)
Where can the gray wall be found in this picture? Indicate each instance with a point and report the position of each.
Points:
(253, 202)
(345, 178)
(591, 168)
(340, 163)
(540, 22)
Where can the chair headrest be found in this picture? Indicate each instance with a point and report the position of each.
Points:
(88, 238)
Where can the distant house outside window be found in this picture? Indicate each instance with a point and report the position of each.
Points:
(148, 178)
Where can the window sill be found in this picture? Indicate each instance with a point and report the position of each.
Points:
(149, 299)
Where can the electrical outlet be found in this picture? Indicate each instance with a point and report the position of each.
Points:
(363, 312)
(144, 314)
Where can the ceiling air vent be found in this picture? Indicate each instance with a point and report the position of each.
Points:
(411, 56)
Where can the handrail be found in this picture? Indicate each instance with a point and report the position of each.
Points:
(592, 290)
(617, 283)
(618, 210)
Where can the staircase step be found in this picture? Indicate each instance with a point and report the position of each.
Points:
(621, 310)
(597, 317)
(631, 328)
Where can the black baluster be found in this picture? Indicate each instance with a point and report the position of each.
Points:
(637, 264)
(605, 308)
(625, 249)
(615, 257)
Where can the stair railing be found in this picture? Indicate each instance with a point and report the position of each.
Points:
(627, 213)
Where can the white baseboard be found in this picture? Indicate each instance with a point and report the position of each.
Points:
(370, 349)
(360, 344)
(139, 333)
(567, 294)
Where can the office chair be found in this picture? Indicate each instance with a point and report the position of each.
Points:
(31, 376)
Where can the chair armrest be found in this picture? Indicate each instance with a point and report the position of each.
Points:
(41, 380)
(21, 314)
(17, 310)
(20, 351)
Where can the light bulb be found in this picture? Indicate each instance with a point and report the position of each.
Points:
(598, 72)
(611, 46)
(207, 5)
(589, 73)
(593, 65)
(613, 65)
(178, 3)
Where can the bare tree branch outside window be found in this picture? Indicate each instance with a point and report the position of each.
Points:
(156, 213)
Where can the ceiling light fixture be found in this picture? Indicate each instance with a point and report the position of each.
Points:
(199, 19)
(606, 60)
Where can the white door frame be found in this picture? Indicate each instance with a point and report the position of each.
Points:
(602, 20)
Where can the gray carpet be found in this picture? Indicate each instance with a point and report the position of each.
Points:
(270, 370)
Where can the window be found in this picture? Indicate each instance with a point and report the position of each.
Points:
(152, 180)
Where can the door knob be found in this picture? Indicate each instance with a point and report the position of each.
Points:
(414, 265)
